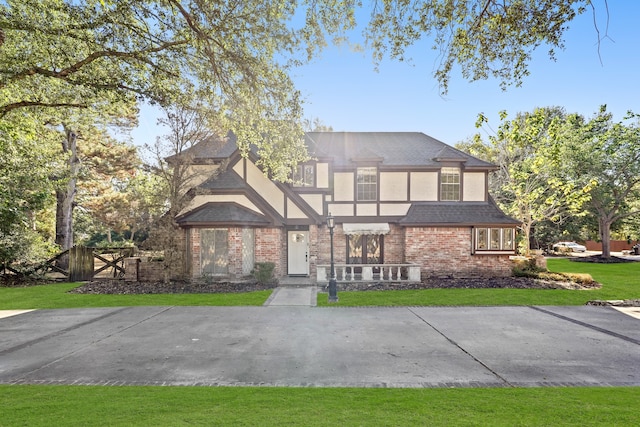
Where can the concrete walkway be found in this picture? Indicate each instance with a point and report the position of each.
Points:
(293, 296)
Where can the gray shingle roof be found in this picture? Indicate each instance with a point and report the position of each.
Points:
(222, 213)
(227, 180)
(396, 148)
(210, 148)
(456, 213)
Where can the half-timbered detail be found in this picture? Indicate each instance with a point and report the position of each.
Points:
(405, 206)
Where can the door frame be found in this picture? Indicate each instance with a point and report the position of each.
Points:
(304, 265)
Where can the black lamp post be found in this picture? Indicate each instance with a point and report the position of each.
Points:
(333, 292)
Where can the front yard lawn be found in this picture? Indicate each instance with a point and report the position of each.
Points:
(45, 405)
(56, 296)
(619, 281)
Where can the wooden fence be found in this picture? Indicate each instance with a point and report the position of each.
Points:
(81, 263)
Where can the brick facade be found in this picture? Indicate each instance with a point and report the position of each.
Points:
(270, 247)
(440, 251)
(446, 252)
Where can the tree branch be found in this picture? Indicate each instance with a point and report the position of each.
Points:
(74, 68)
(9, 107)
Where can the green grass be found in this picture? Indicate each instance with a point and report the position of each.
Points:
(250, 406)
(56, 296)
(619, 281)
(37, 405)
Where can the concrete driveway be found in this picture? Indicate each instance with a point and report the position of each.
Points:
(331, 347)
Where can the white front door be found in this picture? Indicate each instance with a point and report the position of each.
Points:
(298, 259)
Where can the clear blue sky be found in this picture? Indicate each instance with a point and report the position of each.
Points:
(342, 89)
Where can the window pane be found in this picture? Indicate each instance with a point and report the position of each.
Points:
(308, 179)
(213, 251)
(507, 239)
(355, 249)
(304, 176)
(373, 250)
(495, 239)
(450, 184)
(248, 250)
(482, 237)
(367, 184)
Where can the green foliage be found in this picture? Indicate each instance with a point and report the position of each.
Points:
(532, 182)
(236, 56)
(25, 189)
(606, 154)
(233, 57)
(484, 38)
(263, 272)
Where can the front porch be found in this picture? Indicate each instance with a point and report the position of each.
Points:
(405, 273)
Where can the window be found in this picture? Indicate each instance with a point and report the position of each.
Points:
(214, 255)
(304, 176)
(364, 249)
(248, 250)
(450, 184)
(495, 239)
(367, 184)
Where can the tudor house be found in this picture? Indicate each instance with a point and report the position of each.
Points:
(405, 205)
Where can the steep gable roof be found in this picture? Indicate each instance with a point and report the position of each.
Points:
(222, 213)
(212, 148)
(394, 148)
(227, 180)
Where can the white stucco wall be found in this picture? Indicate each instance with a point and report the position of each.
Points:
(394, 209)
(313, 200)
(343, 187)
(393, 186)
(293, 211)
(367, 209)
(341, 209)
(474, 187)
(424, 186)
(322, 175)
(267, 189)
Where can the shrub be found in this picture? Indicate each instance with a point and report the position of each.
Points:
(263, 271)
(580, 278)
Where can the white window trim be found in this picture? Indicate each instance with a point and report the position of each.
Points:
(489, 250)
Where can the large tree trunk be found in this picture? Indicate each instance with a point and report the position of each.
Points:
(605, 234)
(66, 196)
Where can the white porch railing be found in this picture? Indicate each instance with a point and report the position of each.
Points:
(370, 273)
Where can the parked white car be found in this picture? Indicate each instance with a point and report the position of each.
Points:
(569, 247)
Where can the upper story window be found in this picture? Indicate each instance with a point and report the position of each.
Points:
(366, 184)
(450, 184)
(304, 176)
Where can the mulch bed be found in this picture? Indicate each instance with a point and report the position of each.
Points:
(121, 287)
(599, 259)
(128, 288)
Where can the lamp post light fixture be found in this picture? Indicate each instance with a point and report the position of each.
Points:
(333, 292)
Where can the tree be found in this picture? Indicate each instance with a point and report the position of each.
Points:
(531, 181)
(483, 37)
(108, 168)
(80, 55)
(607, 153)
(237, 55)
(25, 189)
(178, 172)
